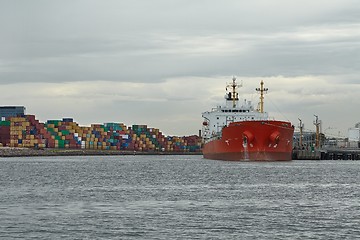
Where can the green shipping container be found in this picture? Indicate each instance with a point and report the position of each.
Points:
(5, 123)
(61, 143)
(65, 132)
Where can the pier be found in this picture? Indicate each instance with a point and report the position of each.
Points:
(309, 145)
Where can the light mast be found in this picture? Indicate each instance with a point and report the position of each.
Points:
(317, 124)
(301, 126)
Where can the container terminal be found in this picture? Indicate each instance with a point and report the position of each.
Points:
(20, 130)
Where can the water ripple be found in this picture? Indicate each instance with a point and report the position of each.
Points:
(177, 197)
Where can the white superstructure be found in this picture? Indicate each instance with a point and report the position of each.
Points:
(233, 111)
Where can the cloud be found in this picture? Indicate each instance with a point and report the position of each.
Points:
(164, 62)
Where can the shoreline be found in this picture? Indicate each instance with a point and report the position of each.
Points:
(29, 152)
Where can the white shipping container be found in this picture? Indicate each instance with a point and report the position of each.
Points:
(124, 136)
(353, 144)
(354, 134)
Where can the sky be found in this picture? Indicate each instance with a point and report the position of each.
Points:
(163, 62)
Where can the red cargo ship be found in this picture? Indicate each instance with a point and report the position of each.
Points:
(239, 132)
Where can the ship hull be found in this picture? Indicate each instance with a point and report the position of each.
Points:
(252, 141)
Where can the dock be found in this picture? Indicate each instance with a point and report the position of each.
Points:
(327, 154)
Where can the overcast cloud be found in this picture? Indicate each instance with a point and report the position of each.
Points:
(164, 62)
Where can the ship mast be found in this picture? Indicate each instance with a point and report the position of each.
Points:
(262, 90)
(234, 94)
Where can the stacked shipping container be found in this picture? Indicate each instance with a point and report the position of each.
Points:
(26, 131)
(4, 132)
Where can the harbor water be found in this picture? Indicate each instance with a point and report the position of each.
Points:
(177, 197)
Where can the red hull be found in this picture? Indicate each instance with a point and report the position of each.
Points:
(252, 141)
